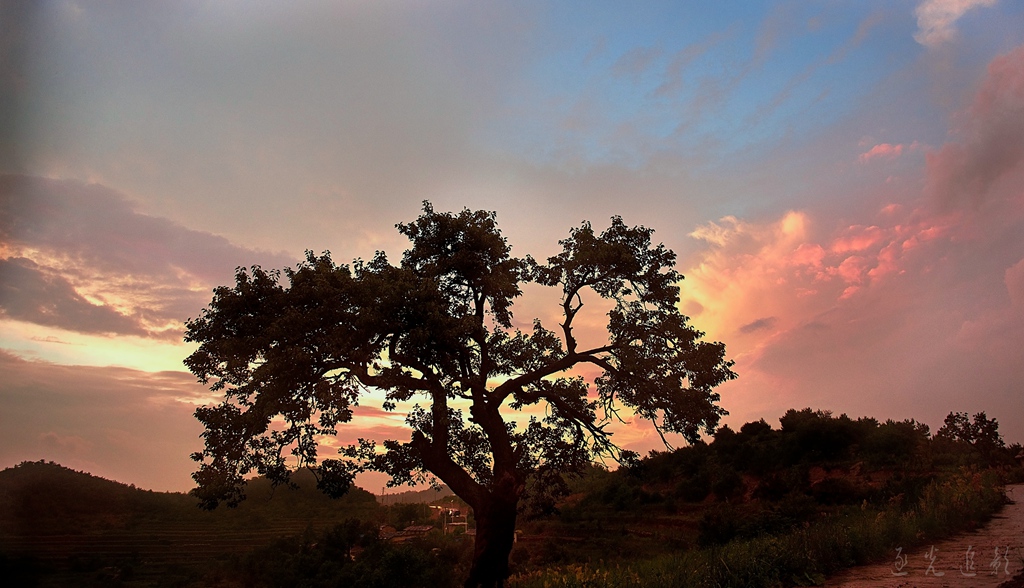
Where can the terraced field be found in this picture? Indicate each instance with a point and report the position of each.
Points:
(157, 555)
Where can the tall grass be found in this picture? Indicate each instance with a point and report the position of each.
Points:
(802, 557)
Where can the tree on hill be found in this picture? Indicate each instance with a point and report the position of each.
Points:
(292, 357)
(981, 433)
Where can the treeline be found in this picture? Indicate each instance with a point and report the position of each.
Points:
(762, 462)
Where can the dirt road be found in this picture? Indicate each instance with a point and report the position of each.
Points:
(985, 558)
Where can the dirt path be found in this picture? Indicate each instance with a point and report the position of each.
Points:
(949, 563)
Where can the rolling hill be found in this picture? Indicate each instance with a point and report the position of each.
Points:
(61, 527)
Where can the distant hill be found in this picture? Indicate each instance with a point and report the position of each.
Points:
(71, 528)
(40, 498)
(426, 496)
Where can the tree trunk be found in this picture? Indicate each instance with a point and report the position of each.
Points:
(495, 533)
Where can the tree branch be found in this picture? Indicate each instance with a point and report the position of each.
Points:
(570, 314)
(436, 460)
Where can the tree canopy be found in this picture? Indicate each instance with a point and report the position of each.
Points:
(294, 351)
(981, 434)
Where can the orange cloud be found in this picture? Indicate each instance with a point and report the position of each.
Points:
(857, 238)
(852, 269)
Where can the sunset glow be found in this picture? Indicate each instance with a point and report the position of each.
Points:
(843, 185)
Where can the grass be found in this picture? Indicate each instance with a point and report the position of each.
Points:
(804, 556)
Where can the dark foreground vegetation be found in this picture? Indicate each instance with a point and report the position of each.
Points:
(776, 507)
(761, 506)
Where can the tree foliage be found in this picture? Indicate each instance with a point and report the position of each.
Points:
(294, 351)
(980, 434)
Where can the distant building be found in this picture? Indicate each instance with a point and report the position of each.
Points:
(389, 533)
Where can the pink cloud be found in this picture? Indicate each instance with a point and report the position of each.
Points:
(923, 235)
(888, 259)
(882, 150)
(852, 269)
(887, 151)
(66, 444)
(810, 254)
(890, 209)
(857, 238)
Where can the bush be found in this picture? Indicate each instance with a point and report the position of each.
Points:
(728, 484)
(718, 526)
(351, 554)
(836, 491)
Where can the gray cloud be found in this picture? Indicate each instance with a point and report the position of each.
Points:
(991, 141)
(759, 325)
(326, 115)
(29, 293)
(65, 238)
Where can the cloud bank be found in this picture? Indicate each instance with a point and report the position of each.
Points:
(80, 258)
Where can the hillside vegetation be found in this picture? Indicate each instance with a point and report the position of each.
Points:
(767, 506)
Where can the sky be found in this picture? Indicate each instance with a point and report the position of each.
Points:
(843, 182)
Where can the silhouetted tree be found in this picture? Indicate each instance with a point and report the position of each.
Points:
(293, 356)
(981, 434)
